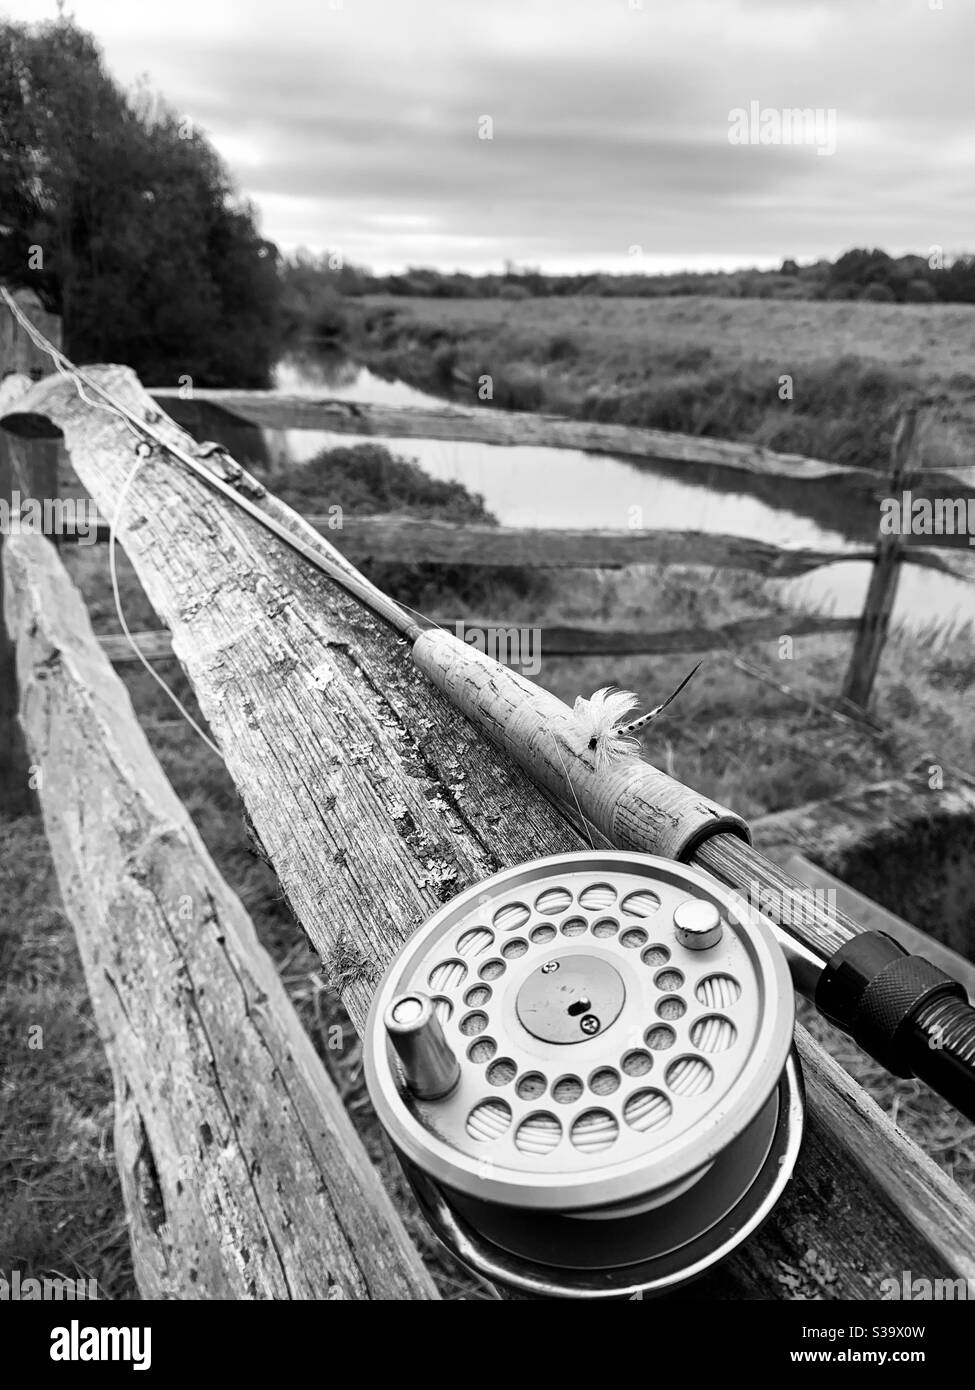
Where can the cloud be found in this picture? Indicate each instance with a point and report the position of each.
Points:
(354, 125)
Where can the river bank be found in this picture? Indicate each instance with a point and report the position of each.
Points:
(826, 380)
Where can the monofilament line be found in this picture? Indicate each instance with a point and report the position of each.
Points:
(113, 571)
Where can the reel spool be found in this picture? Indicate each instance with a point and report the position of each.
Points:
(585, 1064)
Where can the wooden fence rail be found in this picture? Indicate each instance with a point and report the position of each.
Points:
(375, 802)
(413, 541)
(554, 640)
(25, 465)
(241, 1172)
(416, 540)
(278, 410)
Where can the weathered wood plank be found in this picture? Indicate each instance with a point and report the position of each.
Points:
(829, 1251)
(416, 541)
(375, 802)
(156, 645)
(242, 1174)
(28, 467)
(570, 641)
(573, 641)
(876, 918)
(17, 352)
(904, 841)
(411, 540)
(882, 590)
(278, 410)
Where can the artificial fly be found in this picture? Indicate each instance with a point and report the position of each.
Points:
(600, 724)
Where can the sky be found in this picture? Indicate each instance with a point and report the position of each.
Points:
(361, 126)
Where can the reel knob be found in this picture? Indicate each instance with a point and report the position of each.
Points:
(430, 1069)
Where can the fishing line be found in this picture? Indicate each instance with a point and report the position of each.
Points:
(643, 811)
(336, 568)
(572, 789)
(113, 571)
(143, 450)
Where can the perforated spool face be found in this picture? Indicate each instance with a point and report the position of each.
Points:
(601, 1061)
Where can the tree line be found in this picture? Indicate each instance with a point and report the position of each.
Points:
(861, 273)
(120, 213)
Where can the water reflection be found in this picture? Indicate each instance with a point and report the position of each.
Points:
(530, 486)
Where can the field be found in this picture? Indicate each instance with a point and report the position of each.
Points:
(938, 339)
(696, 365)
(736, 739)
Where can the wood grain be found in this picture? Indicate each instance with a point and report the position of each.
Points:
(901, 841)
(884, 576)
(577, 641)
(376, 802)
(873, 917)
(28, 467)
(278, 410)
(415, 541)
(242, 1174)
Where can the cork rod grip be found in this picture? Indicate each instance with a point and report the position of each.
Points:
(632, 803)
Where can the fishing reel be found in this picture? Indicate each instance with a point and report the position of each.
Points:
(586, 1066)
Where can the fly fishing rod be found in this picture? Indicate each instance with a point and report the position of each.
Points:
(909, 1015)
(586, 1062)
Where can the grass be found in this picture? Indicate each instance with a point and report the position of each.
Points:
(736, 740)
(60, 1201)
(695, 366)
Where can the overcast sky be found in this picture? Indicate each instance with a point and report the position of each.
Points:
(353, 124)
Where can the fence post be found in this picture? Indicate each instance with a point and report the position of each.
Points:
(871, 635)
(241, 1172)
(30, 467)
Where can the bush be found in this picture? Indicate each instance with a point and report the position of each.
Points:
(513, 292)
(445, 361)
(879, 293)
(919, 292)
(368, 478)
(562, 347)
(328, 316)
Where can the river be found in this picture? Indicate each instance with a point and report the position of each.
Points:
(531, 486)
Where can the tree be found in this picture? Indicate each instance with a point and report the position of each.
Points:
(146, 250)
